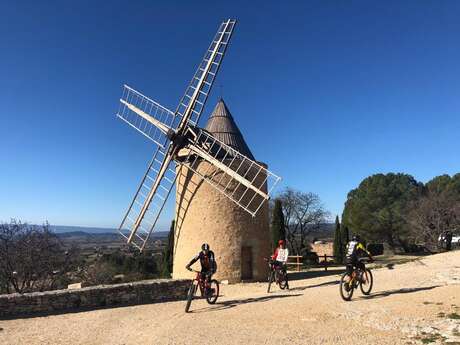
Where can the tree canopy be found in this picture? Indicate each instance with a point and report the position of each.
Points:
(278, 228)
(444, 184)
(339, 245)
(396, 209)
(168, 252)
(376, 209)
(436, 211)
(32, 258)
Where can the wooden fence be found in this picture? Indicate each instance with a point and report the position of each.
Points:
(296, 260)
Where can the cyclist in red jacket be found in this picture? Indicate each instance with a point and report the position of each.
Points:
(281, 255)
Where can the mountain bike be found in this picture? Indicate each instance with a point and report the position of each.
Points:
(276, 274)
(208, 290)
(359, 277)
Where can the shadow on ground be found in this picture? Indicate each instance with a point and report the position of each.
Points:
(315, 274)
(301, 288)
(236, 302)
(398, 291)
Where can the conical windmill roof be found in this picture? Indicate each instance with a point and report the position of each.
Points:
(222, 126)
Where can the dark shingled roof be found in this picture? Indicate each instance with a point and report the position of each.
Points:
(222, 126)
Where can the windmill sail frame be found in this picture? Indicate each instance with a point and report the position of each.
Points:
(194, 99)
(133, 102)
(179, 140)
(246, 182)
(139, 235)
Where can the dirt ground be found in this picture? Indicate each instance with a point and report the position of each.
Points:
(416, 302)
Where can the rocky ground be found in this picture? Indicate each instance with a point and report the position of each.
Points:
(412, 303)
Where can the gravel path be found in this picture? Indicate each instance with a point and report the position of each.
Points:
(413, 303)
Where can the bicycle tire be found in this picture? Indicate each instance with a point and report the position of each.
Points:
(214, 284)
(346, 295)
(368, 274)
(270, 280)
(284, 282)
(190, 293)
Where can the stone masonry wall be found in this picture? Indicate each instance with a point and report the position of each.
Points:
(205, 215)
(142, 292)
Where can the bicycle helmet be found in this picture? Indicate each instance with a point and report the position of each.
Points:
(356, 238)
(281, 243)
(205, 247)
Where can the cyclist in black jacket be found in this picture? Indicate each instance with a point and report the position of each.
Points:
(207, 261)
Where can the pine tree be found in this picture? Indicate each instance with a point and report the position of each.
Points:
(278, 227)
(345, 238)
(168, 253)
(345, 235)
(338, 242)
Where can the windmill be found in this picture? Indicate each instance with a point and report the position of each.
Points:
(180, 142)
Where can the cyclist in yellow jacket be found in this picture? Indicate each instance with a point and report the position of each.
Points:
(355, 250)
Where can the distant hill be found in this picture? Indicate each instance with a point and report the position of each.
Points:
(325, 232)
(59, 229)
(74, 231)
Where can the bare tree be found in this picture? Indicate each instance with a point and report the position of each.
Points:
(32, 258)
(432, 215)
(303, 214)
(99, 273)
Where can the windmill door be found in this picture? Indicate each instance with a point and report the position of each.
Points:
(246, 263)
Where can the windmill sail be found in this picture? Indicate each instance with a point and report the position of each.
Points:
(192, 103)
(146, 116)
(145, 209)
(243, 180)
(154, 121)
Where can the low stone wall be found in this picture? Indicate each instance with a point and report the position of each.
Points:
(142, 292)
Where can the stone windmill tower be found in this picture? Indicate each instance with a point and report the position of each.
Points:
(222, 192)
(239, 240)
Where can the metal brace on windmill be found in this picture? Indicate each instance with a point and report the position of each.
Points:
(230, 209)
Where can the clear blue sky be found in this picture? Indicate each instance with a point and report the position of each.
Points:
(325, 92)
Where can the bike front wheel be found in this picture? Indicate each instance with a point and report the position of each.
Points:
(190, 293)
(211, 298)
(346, 287)
(366, 282)
(283, 281)
(270, 280)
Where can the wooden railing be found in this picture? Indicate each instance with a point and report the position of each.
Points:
(296, 260)
(298, 263)
(325, 263)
